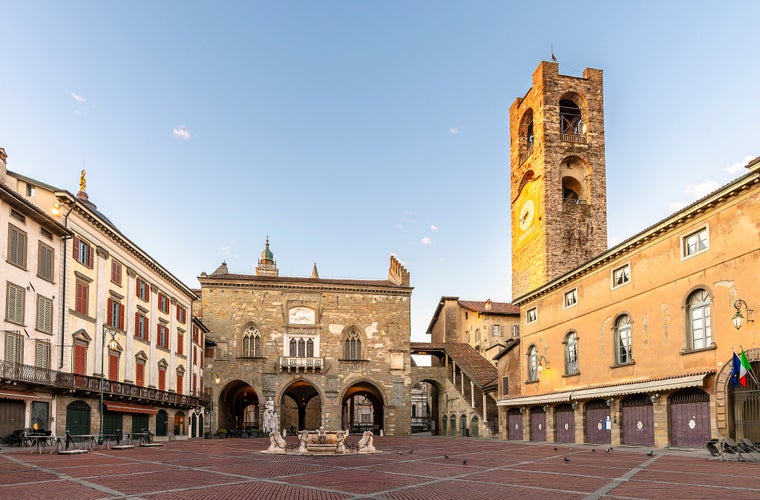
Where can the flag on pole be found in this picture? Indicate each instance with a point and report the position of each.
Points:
(736, 365)
(744, 368)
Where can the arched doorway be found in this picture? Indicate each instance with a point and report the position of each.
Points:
(425, 407)
(689, 418)
(452, 425)
(745, 405)
(78, 418)
(301, 407)
(463, 425)
(162, 423)
(179, 424)
(444, 425)
(238, 407)
(363, 408)
(193, 425)
(638, 420)
(598, 424)
(475, 426)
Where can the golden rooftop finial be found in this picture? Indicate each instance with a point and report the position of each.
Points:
(83, 181)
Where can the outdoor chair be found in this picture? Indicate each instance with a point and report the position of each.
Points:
(749, 446)
(734, 451)
(712, 447)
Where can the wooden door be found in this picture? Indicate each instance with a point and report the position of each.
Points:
(597, 418)
(690, 418)
(514, 419)
(638, 421)
(537, 424)
(564, 424)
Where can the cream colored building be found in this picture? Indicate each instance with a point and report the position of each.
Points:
(123, 320)
(634, 344)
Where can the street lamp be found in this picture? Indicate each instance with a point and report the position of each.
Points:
(112, 345)
(738, 319)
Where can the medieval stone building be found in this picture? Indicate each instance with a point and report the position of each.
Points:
(328, 352)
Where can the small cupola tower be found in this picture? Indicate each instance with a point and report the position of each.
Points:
(267, 265)
(557, 177)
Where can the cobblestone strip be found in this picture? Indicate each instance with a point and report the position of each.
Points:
(620, 480)
(66, 477)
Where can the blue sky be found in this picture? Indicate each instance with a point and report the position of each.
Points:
(349, 131)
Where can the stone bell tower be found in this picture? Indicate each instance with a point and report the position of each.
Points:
(557, 176)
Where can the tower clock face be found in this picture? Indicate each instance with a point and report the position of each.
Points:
(526, 214)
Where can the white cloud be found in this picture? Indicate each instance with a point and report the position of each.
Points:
(453, 131)
(77, 97)
(739, 165)
(398, 226)
(181, 132)
(426, 241)
(433, 227)
(676, 206)
(696, 191)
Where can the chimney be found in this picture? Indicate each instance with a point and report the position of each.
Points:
(3, 168)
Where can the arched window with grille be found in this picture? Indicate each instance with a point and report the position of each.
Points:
(699, 326)
(352, 345)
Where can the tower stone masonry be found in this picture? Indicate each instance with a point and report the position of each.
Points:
(557, 176)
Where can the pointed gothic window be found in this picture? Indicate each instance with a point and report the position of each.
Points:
(353, 346)
(252, 343)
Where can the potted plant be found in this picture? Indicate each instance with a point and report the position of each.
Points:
(221, 433)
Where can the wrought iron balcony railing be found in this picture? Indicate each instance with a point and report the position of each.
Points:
(17, 372)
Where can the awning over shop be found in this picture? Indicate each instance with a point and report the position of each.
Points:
(127, 408)
(658, 385)
(24, 396)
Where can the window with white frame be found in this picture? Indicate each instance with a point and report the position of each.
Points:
(696, 242)
(621, 276)
(571, 298)
(496, 331)
(531, 315)
(700, 331)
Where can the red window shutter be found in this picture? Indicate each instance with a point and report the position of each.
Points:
(113, 366)
(179, 384)
(75, 251)
(140, 375)
(110, 311)
(137, 324)
(147, 291)
(90, 256)
(80, 359)
(121, 317)
(137, 287)
(161, 379)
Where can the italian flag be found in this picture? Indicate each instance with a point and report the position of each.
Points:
(744, 367)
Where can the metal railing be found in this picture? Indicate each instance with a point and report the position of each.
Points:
(17, 372)
(576, 138)
(313, 363)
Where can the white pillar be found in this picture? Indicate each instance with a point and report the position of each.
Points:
(485, 407)
(472, 394)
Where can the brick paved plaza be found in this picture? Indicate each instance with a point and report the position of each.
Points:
(407, 468)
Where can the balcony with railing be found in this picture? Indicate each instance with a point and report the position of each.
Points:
(15, 373)
(575, 138)
(290, 363)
